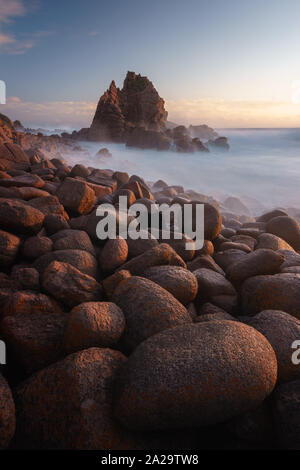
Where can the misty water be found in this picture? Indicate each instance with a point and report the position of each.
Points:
(262, 164)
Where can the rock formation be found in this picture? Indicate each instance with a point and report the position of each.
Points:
(137, 104)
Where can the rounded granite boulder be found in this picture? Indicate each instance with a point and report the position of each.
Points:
(195, 375)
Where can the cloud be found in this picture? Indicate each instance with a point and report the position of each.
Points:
(10, 9)
(222, 113)
(9, 42)
(215, 113)
(62, 114)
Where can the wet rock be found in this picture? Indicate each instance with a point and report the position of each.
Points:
(69, 285)
(148, 309)
(180, 282)
(91, 324)
(229, 367)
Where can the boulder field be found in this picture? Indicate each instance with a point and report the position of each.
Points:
(126, 344)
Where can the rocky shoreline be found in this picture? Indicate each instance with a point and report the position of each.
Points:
(141, 344)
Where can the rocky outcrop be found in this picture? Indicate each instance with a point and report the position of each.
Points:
(137, 104)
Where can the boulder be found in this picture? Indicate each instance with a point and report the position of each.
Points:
(25, 180)
(277, 292)
(272, 242)
(54, 223)
(111, 282)
(148, 309)
(9, 247)
(34, 340)
(214, 288)
(271, 215)
(91, 324)
(48, 205)
(76, 196)
(26, 278)
(225, 258)
(204, 261)
(69, 285)
(113, 254)
(73, 240)
(139, 246)
(286, 228)
(34, 247)
(258, 262)
(18, 217)
(159, 255)
(229, 368)
(29, 303)
(180, 282)
(68, 405)
(7, 414)
(80, 259)
(281, 330)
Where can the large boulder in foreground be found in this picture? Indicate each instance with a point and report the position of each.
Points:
(68, 405)
(91, 324)
(277, 292)
(7, 414)
(281, 330)
(229, 368)
(70, 286)
(19, 217)
(178, 281)
(148, 309)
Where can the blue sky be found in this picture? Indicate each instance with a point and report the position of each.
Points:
(224, 62)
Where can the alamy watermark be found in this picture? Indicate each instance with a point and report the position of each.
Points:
(2, 92)
(162, 221)
(2, 353)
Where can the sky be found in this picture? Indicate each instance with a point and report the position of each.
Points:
(225, 63)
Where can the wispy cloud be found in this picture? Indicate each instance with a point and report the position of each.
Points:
(9, 42)
(65, 114)
(10, 9)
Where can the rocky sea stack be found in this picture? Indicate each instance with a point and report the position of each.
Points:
(136, 115)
